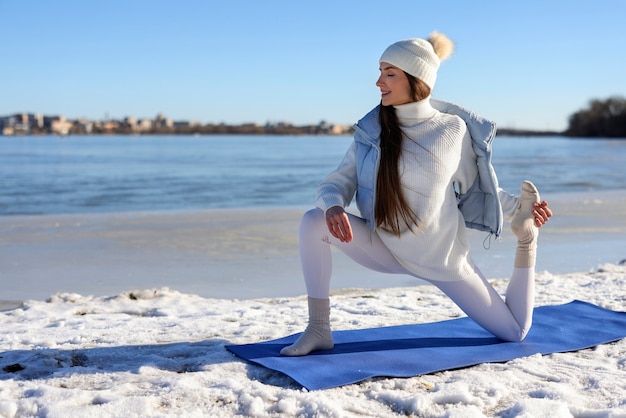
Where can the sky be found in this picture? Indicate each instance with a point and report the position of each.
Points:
(524, 65)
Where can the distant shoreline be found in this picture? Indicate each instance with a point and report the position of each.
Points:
(528, 132)
(22, 124)
(288, 132)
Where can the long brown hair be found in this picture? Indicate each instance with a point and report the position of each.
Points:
(391, 207)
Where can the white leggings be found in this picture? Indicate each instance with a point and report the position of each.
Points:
(508, 320)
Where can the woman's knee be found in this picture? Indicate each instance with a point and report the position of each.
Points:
(313, 216)
(515, 335)
(312, 220)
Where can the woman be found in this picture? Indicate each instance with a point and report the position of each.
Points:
(421, 173)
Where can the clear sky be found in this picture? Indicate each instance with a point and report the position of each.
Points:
(523, 64)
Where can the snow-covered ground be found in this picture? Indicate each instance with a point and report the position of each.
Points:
(161, 353)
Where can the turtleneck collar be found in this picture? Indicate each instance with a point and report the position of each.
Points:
(414, 112)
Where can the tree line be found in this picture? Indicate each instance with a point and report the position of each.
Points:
(603, 118)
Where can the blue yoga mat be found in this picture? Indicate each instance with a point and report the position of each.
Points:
(412, 350)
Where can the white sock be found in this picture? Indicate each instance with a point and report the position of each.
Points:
(317, 335)
(523, 226)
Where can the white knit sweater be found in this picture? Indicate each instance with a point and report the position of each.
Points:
(437, 154)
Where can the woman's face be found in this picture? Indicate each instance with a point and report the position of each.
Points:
(394, 85)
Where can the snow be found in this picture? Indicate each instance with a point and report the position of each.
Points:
(160, 352)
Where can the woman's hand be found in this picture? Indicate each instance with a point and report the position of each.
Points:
(339, 224)
(541, 213)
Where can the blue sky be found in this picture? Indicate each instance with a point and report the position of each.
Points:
(526, 64)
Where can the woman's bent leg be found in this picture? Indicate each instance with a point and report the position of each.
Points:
(480, 301)
(520, 294)
(315, 254)
(510, 320)
(366, 249)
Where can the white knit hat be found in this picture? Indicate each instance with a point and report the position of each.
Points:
(420, 57)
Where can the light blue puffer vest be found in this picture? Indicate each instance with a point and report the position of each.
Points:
(480, 205)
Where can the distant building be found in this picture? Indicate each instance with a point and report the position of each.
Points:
(21, 124)
(6, 125)
(57, 124)
(131, 123)
(144, 125)
(84, 126)
(110, 125)
(162, 121)
(338, 130)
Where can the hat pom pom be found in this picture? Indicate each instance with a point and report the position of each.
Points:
(442, 46)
